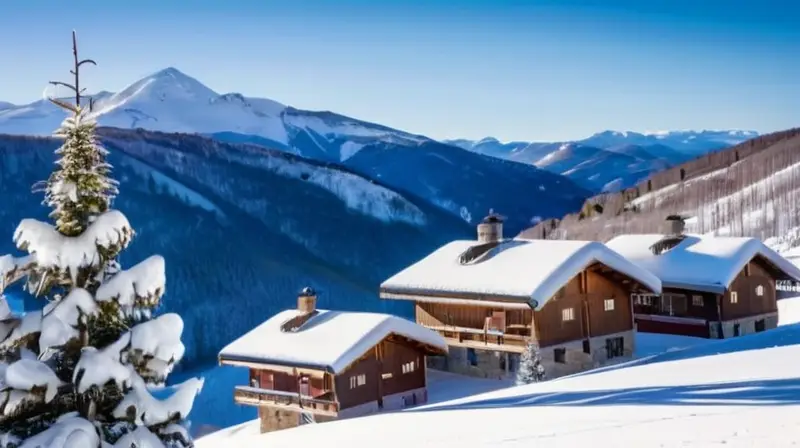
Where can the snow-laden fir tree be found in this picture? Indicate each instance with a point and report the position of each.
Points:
(531, 369)
(82, 371)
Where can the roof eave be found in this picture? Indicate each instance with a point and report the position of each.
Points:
(228, 359)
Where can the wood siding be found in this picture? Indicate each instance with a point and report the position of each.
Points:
(586, 296)
(680, 303)
(748, 302)
(442, 315)
(393, 356)
(290, 382)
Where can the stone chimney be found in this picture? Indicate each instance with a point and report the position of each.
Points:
(490, 229)
(674, 225)
(307, 300)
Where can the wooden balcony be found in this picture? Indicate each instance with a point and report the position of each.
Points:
(482, 339)
(288, 400)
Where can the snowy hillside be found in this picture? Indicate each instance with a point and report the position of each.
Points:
(199, 202)
(750, 189)
(610, 160)
(735, 393)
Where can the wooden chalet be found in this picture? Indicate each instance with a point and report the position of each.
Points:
(309, 365)
(492, 297)
(713, 287)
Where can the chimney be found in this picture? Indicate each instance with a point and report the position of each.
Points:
(307, 300)
(674, 225)
(490, 229)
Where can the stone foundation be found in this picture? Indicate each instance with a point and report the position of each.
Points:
(503, 365)
(747, 325)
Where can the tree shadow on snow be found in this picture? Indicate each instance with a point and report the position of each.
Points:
(746, 393)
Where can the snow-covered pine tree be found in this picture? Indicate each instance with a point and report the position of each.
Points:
(80, 372)
(531, 369)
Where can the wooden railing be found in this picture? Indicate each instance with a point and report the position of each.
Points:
(478, 338)
(264, 397)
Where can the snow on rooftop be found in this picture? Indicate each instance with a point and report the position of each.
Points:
(531, 269)
(330, 340)
(703, 262)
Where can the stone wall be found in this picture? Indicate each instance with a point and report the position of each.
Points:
(747, 325)
(502, 365)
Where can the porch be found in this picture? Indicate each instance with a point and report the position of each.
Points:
(322, 405)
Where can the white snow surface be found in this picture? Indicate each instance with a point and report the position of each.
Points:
(532, 269)
(140, 281)
(141, 437)
(98, 367)
(69, 431)
(331, 339)
(26, 374)
(732, 393)
(52, 249)
(161, 339)
(151, 411)
(702, 262)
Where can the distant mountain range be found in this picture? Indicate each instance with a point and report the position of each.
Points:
(461, 182)
(610, 160)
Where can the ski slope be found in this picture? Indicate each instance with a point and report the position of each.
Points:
(735, 393)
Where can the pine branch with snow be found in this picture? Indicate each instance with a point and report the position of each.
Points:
(531, 369)
(85, 370)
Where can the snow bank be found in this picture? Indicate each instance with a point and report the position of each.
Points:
(530, 270)
(329, 340)
(144, 282)
(54, 250)
(701, 262)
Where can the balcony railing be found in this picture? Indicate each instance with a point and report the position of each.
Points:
(479, 338)
(263, 397)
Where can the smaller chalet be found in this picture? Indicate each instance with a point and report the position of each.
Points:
(310, 365)
(491, 297)
(713, 287)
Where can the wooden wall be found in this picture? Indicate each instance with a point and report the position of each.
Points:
(749, 303)
(365, 393)
(289, 382)
(439, 315)
(585, 295)
(394, 354)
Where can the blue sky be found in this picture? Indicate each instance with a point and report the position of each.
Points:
(524, 70)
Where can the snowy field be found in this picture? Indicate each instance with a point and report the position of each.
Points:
(736, 393)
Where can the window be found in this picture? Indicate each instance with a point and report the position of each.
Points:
(759, 290)
(761, 325)
(734, 297)
(358, 380)
(567, 314)
(615, 347)
(697, 300)
(735, 330)
(608, 305)
(587, 348)
(408, 367)
(560, 355)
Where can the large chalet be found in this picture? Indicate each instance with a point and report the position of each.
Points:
(713, 287)
(491, 297)
(310, 365)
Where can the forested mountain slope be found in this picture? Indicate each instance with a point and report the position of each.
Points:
(750, 189)
(242, 228)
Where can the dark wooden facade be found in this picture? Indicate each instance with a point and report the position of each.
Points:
(694, 313)
(393, 366)
(594, 303)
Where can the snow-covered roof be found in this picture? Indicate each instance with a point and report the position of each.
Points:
(331, 340)
(531, 271)
(700, 262)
